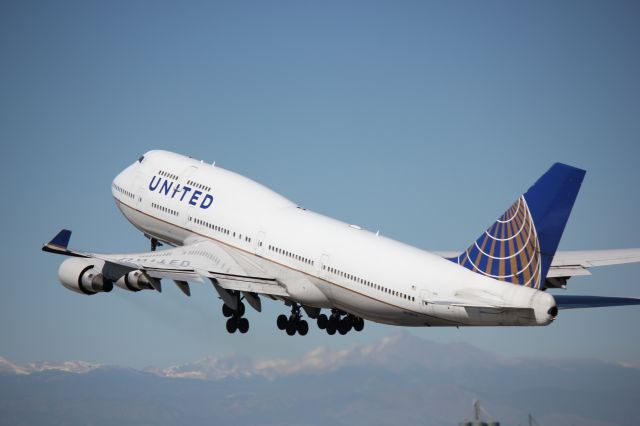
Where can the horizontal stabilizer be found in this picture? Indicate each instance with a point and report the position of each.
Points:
(575, 302)
(572, 263)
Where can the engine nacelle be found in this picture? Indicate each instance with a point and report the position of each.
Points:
(84, 276)
(136, 281)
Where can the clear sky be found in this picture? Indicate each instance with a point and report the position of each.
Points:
(424, 120)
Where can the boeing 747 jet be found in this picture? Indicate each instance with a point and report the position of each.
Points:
(250, 244)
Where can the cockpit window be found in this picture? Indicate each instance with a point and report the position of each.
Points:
(140, 159)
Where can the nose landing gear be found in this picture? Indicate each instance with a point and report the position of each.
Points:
(155, 244)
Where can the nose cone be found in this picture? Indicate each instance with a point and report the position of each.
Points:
(120, 184)
(116, 183)
(545, 308)
(123, 185)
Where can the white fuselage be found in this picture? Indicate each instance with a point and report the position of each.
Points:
(323, 262)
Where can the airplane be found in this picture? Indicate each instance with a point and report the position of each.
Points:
(250, 244)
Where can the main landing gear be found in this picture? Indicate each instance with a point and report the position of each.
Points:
(236, 320)
(294, 323)
(343, 325)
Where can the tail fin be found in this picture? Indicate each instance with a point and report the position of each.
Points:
(519, 247)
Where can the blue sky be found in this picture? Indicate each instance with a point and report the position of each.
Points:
(424, 120)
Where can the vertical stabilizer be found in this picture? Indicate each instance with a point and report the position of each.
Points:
(519, 247)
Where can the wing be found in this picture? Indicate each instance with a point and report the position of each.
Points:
(567, 264)
(198, 261)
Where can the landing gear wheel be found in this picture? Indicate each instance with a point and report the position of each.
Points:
(358, 324)
(226, 311)
(232, 325)
(332, 326)
(344, 326)
(282, 321)
(240, 310)
(303, 327)
(322, 321)
(291, 328)
(243, 325)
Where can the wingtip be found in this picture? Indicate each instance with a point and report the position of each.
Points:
(61, 239)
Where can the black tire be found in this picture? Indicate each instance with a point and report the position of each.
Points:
(331, 330)
(332, 325)
(344, 326)
(322, 321)
(303, 328)
(282, 322)
(243, 325)
(226, 311)
(291, 328)
(358, 324)
(240, 310)
(333, 322)
(232, 325)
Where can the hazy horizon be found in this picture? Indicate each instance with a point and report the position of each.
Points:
(398, 379)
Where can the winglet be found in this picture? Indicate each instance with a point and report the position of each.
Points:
(62, 239)
(59, 245)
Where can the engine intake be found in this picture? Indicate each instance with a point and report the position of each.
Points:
(84, 276)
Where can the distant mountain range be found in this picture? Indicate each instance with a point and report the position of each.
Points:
(400, 379)
(8, 367)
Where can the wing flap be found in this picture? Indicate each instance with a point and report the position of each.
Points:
(272, 289)
(176, 275)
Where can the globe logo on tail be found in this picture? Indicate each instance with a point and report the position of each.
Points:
(509, 250)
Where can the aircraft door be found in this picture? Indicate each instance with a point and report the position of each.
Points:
(322, 265)
(139, 188)
(426, 296)
(186, 208)
(430, 306)
(260, 242)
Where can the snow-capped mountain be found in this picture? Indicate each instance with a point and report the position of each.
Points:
(9, 367)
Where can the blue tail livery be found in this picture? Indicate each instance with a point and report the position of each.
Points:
(519, 247)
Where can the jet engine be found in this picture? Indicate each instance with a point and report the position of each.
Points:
(138, 280)
(84, 276)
